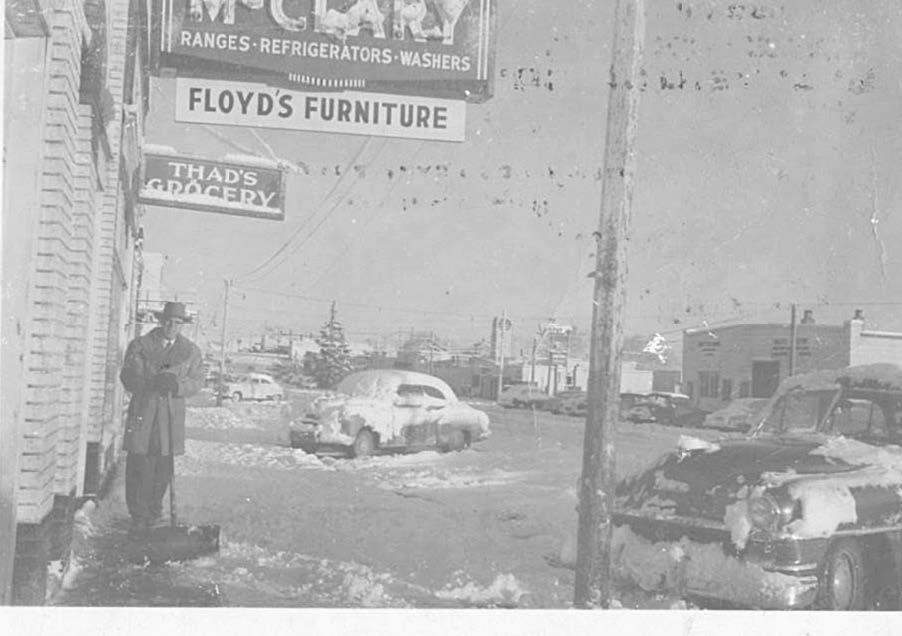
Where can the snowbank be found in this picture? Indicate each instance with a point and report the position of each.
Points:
(198, 453)
(217, 418)
(442, 479)
(504, 590)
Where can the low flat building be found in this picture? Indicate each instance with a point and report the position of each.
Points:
(749, 360)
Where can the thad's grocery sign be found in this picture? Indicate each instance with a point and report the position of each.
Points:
(238, 104)
(213, 186)
(436, 48)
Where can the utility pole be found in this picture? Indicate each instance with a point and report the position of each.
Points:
(592, 587)
(501, 326)
(792, 340)
(222, 344)
(532, 373)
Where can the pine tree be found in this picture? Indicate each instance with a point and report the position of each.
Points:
(334, 360)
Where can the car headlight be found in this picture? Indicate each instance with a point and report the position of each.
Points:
(770, 511)
(763, 512)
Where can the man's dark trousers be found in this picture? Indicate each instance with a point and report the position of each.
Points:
(146, 480)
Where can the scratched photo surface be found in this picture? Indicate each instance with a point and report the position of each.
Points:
(382, 375)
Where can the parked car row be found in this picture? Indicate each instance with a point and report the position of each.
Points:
(802, 512)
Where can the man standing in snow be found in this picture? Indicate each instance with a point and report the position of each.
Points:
(161, 369)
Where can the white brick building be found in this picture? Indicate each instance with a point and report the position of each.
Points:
(75, 100)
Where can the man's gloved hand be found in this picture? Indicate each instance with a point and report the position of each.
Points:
(165, 382)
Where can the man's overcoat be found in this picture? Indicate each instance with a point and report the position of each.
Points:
(145, 357)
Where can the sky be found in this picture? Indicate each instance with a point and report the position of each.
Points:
(766, 175)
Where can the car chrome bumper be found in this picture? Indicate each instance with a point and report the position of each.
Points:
(707, 570)
(798, 594)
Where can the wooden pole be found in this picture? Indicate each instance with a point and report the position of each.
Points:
(532, 372)
(222, 344)
(792, 340)
(592, 586)
(501, 326)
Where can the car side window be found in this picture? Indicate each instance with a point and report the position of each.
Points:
(431, 391)
(410, 390)
(858, 417)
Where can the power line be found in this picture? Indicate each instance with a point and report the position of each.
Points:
(307, 221)
(365, 225)
(322, 221)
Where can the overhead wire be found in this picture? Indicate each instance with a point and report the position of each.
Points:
(380, 207)
(255, 272)
(325, 218)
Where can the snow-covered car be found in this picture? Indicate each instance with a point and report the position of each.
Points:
(253, 386)
(523, 396)
(569, 402)
(384, 410)
(805, 511)
(738, 415)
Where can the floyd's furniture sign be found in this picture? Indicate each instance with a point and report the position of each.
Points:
(228, 187)
(436, 48)
(239, 104)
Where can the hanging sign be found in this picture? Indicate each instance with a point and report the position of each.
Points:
(227, 187)
(435, 48)
(239, 104)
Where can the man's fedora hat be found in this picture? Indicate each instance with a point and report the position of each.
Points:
(173, 310)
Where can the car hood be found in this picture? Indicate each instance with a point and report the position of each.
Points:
(701, 483)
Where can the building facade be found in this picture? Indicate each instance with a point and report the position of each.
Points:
(75, 102)
(750, 360)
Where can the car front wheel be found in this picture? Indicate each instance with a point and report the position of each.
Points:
(842, 585)
(236, 396)
(364, 444)
(457, 440)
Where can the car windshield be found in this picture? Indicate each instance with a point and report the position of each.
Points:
(798, 411)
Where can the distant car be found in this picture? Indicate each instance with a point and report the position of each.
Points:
(671, 409)
(523, 396)
(627, 401)
(738, 415)
(389, 410)
(569, 402)
(253, 386)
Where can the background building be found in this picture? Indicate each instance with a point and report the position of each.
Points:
(76, 98)
(749, 360)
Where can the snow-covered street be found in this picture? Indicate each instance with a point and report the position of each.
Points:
(486, 527)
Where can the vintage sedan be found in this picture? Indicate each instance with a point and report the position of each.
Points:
(389, 410)
(804, 512)
(569, 402)
(523, 396)
(253, 386)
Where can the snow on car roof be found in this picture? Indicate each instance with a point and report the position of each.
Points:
(260, 375)
(669, 394)
(385, 382)
(883, 376)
